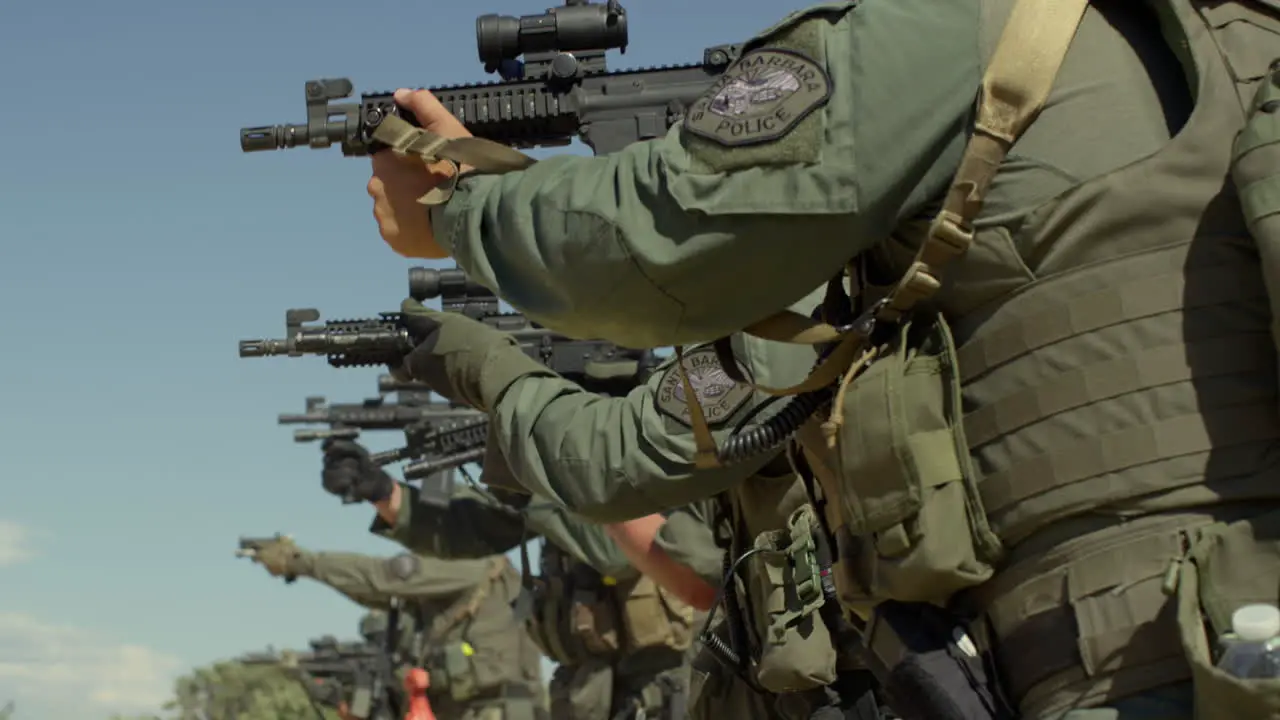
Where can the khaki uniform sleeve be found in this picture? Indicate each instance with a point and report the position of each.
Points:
(373, 581)
(765, 191)
(689, 539)
(610, 459)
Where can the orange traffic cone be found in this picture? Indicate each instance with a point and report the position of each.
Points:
(416, 683)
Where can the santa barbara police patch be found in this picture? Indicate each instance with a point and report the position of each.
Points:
(717, 393)
(760, 98)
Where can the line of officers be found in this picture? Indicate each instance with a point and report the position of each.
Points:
(1034, 406)
(709, 608)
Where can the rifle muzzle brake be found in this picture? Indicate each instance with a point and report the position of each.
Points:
(263, 348)
(273, 137)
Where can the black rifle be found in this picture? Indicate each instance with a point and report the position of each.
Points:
(360, 674)
(385, 340)
(418, 420)
(449, 449)
(373, 413)
(562, 89)
(327, 684)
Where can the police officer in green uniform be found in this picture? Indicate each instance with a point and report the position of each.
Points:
(458, 613)
(621, 642)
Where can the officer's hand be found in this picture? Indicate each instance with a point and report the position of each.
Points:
(431, 115)
(398, 182)
(462, 359)
(350, 473)
(281, 557)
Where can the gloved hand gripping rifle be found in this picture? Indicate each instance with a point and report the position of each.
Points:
(444, 434)
(561, 90)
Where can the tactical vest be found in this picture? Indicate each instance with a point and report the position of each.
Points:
(1084, 459)
(579, 613)
(1110, 406)
(468, 646)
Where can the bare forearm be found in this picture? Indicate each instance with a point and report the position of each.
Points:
(389, 509)
(636, 540)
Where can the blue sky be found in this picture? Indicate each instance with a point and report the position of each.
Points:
(137, 245)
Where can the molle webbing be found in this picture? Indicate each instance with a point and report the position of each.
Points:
(484, 156)
(1134, 300)
(1093, 457)
(1030, 491)
(1146, 369)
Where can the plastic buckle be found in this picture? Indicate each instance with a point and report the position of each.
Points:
(950, 235)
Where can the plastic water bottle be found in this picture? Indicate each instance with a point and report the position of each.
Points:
(1252, 649)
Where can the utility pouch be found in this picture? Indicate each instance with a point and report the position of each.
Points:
(785, 591)
(1255, 169)
(1228, 565)
(593, 614)
(907, 486)
(652, 618)
(455, 669)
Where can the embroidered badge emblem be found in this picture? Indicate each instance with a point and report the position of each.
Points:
(760, 98)
(717, 393)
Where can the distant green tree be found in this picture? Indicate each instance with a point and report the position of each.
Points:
(234, 691)
(6, 712)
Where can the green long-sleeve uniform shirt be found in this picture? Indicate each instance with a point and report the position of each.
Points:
(609, 459)
(474, 648)
(691, 236)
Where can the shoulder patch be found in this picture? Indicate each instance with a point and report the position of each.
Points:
(718, 394)
(403, 566)
(760, 98)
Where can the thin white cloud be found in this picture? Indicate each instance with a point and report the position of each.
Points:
(54, 671)
(15, 543)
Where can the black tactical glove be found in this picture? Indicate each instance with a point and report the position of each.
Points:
(462, 359)
(350, 474)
